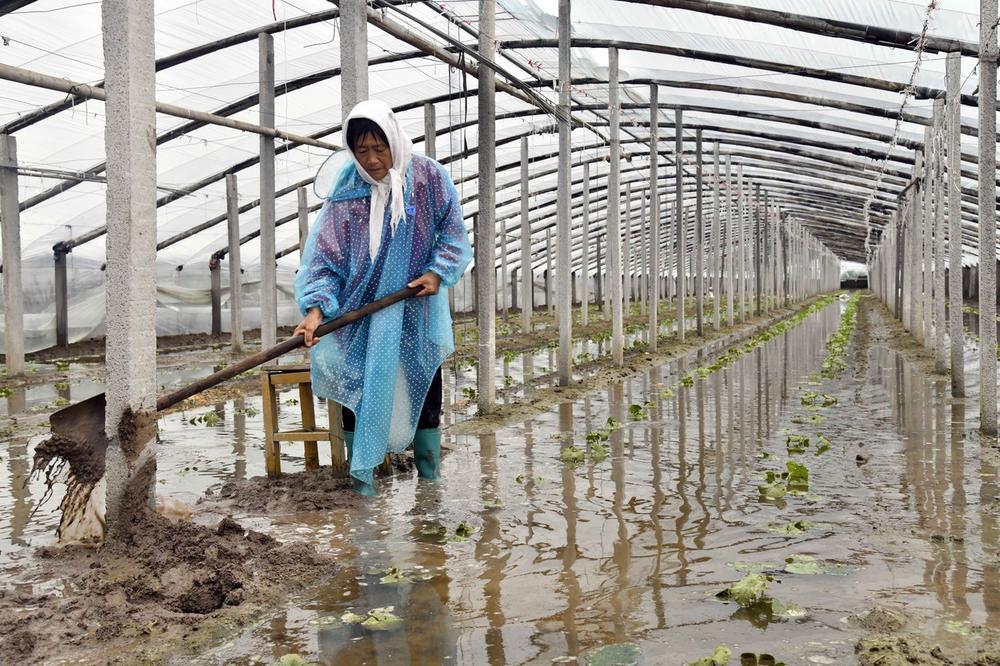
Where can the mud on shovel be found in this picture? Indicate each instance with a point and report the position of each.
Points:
(79, 439)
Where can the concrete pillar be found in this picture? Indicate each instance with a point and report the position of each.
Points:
(353, 36)
(235, 265)
(503, 273)
(654, 215)
(757, 258)
(918, 248)
(741, 241)
(549, 304)
(268, 274)
(130, 121)
(987, 216)
(716, 244)
(527, 276)
(430, 131)
(952, 109)
(486, 230)
(614, 203)
(564, 361)
(10, 234)
(941, 355)
(585, 248)
(513, 288)
(215, 276)
(627, 267)
(927, 233)
(599, 298)
(62, 298)
(681, 229)
(730, 243)
(699, 238)
(642, 270)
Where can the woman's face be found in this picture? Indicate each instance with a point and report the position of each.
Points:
(374, 156)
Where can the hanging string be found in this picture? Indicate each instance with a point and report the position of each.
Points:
(908, 92)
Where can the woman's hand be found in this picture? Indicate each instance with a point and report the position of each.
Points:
(307, 327)
(429, 283)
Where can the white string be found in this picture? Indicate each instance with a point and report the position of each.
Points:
(908, 91)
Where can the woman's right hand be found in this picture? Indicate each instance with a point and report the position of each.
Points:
(307, 327)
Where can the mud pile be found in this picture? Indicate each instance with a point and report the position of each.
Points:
(161, 580)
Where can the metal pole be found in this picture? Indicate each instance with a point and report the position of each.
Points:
(987, 217)
(614, 226)
(485, 235)
(10, 233)
(215, 275)
(681, 230)
(654, 216)
(268, 273)
(527, 275)
(233, 256)
(952, 109)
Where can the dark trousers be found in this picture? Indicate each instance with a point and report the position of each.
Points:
(430, 414)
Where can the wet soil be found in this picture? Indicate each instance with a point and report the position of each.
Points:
(163, 589)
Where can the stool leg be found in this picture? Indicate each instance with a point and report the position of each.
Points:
(272, 447)
(338, 454)
(309, 423)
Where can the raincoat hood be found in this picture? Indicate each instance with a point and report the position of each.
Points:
(401, 148)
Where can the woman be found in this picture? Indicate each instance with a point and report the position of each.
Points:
(393, 219)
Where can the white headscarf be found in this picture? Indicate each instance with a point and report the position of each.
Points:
(401, 148)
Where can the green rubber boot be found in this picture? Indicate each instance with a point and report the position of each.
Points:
(361, 487)
(427, 453)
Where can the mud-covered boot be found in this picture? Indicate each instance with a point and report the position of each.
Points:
(361, 487)
(427, 453)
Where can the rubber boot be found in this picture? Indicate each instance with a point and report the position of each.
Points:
(361, 487)
(427, 453)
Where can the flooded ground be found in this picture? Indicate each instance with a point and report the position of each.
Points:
(517, 557)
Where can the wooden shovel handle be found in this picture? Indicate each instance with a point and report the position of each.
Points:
(265, 355)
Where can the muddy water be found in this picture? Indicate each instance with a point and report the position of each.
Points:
(634, 548)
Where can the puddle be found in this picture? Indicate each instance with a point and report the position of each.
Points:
(901, 508)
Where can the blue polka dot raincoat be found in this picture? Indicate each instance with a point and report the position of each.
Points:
(367, 242)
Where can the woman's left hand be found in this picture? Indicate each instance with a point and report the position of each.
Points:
(429, 283)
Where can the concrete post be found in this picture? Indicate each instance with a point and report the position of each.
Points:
(130, 121)
(599, 298)
(486, 230)
(757, 258)
(549, 304)
(918, 248)
(564, 220)
(430, 131)
(268, 274)
(233, 256)
(716, 244)
(353, 36)
(730, 243)
(741, 239)
(215, 276)
(927, 233)
(585, 248)
(987, 217)
(642, 273)
(614, 212)
(10, 233)
(681, 230)
(627, 267)
(654, 215)
(699, 238)
(941, 355)
(62, 298)
(503, 272)
(952, 109)
(513, 288)
(527, 275)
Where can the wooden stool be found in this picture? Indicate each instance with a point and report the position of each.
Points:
(272, 378)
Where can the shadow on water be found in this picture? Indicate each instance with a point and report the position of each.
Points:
(563, 559)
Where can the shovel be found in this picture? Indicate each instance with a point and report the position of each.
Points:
(84, 421)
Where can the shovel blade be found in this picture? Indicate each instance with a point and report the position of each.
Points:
(83, 421)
